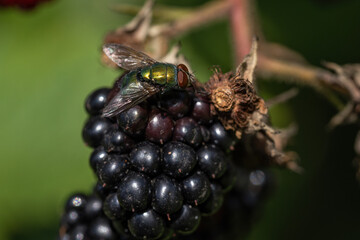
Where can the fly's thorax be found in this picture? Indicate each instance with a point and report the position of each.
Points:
(160, 73)
(129, 78)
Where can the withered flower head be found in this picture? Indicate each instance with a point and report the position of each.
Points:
(233, 95)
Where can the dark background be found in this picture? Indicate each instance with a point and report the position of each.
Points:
(50, 61)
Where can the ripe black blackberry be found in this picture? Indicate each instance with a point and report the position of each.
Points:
(161, 165)
(84, 219)
(240, 209)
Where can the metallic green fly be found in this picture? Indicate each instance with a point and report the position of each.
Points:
(145, 78)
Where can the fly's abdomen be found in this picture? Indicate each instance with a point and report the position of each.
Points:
(160, 73)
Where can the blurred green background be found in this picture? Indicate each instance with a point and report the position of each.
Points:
(50, 61)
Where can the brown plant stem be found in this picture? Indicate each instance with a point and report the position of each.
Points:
(271, 65)
(205, 14)
(240, 26)
(320, 79)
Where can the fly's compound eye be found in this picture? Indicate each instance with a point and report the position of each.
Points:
(182, 75)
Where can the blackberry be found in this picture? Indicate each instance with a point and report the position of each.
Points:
(167, 196)
(161, 166)
(176, 103)
(212, 161)
(112, 169)
(134, 120)
(186, 220)
(76, 201)
(201, 111)
(117, 141)
(214, 201)
(84, 219)
(79, 232)
(93, 207)
(196, 188)
(146, 225)
(234, 219)
(101, 228)
(145, 157)
(94, 131)
(112, 207)
(179, 159)
(134, 192)
(96, 101)
(99, 155)
(187, 131)
(221, 137)
(159, 129)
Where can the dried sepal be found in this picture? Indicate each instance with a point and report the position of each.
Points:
(347, 77)
(133, 34)
(246, 69)
(233, 96)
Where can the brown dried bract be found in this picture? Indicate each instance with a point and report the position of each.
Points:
(233, 96)
(133, 34)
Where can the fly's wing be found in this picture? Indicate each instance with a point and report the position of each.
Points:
(135, 93)
(127, 58)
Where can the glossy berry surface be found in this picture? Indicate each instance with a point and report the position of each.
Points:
(93, 207)
(96, 101)
(94, 131)
(212, 161)
(228, 179)
(214, 202)
(112, 169)
(201, 111)
(97, 156)
(78, 233)
(221, 137)
(160, 128)
(134, 120)
(186, 220)
(76, 201)
(134, 192)
(101, 229)
(100, 190)
(117, 141)
(179, 159)
(146, 225)
(112, 208)
(187, 131)
(145, 157)
(72, 217)
(196, 188)
(205, 133)
(176, 103)
(167, 197)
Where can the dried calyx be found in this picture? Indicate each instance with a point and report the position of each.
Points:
(235, 102)
(233, 96)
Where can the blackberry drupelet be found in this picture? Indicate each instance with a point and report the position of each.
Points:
(84, 219)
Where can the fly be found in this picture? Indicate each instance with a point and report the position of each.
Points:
(145, 78)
